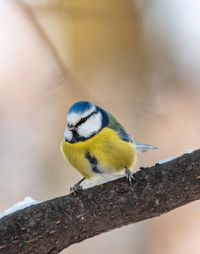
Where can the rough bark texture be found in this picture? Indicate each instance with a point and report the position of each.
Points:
(51, 226)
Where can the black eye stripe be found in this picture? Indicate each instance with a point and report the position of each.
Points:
(84, 119)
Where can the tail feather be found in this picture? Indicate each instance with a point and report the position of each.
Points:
(142, 148)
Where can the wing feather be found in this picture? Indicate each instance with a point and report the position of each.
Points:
(142, 148)
(118, 128)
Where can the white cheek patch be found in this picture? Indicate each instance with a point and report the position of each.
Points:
(74, 118)
(68, 134)
(91, 126)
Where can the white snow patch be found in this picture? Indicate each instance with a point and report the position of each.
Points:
(28, 201)
(101, 179)
(170, 158)
(189, 151)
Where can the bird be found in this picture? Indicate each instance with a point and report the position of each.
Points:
(95, 143)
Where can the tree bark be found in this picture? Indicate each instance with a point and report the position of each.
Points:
(53, 225)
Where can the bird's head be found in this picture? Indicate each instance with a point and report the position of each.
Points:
(84, 120)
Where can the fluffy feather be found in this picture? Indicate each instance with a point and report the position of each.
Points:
(111, 152)
(91, 126)
(96, 143)
(80, 110)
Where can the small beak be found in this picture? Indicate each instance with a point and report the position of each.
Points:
(72, 128)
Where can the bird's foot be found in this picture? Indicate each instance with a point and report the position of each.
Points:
(129, 175)
(76, 188)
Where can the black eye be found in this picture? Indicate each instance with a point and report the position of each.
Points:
(82, 120)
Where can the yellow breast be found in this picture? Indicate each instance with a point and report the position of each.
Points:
(112, 153)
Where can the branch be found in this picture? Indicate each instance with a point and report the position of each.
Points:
(53, 225)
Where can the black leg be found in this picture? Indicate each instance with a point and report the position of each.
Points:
(77, 187)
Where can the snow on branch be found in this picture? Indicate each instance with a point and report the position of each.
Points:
(53, 225)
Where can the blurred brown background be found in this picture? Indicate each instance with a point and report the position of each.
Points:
(139, 60)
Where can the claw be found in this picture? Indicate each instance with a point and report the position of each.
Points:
(77, 187)
(129, 175)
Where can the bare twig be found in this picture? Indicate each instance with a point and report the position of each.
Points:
(51, 226)
(62, 75)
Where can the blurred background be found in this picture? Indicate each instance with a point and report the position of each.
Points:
(139, 60)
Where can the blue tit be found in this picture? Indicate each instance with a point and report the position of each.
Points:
(95, 143)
